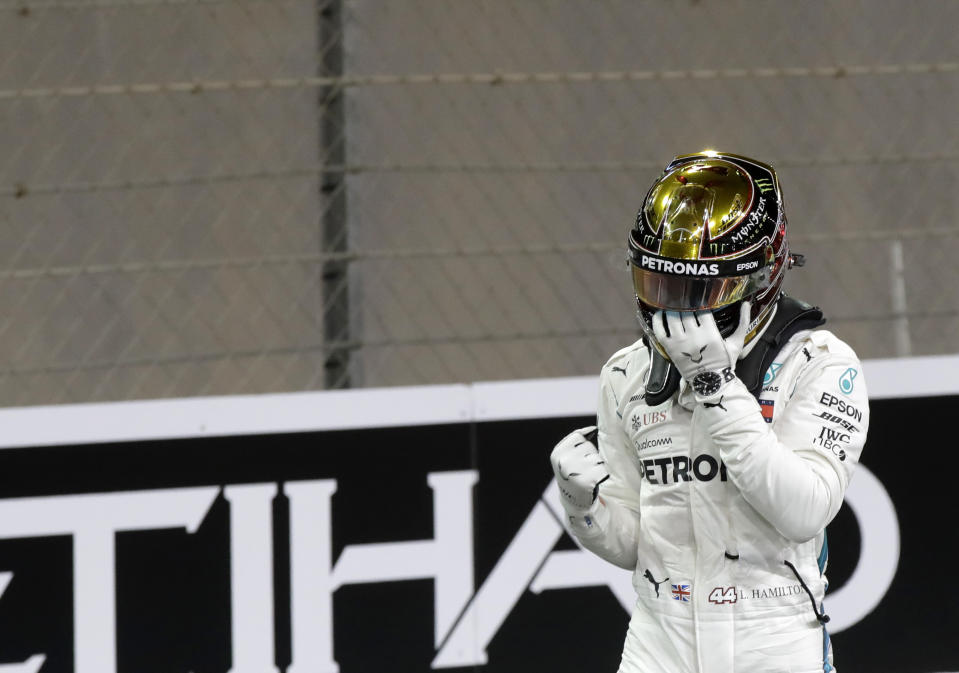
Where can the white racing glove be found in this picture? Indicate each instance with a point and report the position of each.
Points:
(697, 349)
(579, 469)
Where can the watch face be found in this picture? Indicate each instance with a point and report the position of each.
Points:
(707, 383)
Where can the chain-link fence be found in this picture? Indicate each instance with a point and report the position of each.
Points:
(211, 197)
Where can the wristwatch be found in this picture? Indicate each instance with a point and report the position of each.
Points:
(707, 383)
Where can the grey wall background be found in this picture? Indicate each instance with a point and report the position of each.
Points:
(214, 197)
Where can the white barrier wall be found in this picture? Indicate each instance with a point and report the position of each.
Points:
(382, 530)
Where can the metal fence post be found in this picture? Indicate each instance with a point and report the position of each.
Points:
(333, 222)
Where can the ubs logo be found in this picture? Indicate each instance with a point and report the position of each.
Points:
(646, 419)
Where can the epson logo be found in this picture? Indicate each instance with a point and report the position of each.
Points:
(841, 406)
(747, 265)
(686, 268)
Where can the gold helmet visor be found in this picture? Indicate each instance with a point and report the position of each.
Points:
(685, 293)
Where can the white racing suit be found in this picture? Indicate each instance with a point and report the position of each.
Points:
(719, 509)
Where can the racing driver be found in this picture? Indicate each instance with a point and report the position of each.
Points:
(725, 437)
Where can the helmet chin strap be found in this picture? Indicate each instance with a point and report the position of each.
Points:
(787, 317)
(764, 323)
(662, 379)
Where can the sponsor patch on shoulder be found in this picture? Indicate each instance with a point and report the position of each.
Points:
(767, 407)
(847, 382)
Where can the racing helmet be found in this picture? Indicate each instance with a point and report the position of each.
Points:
(711, 233)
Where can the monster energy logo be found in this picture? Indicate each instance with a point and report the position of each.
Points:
(765, 185)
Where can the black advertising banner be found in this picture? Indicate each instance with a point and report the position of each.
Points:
(432, 547)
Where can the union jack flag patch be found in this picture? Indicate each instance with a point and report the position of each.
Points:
(766, 407)
(681, 592)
